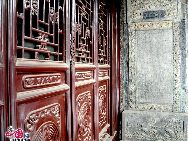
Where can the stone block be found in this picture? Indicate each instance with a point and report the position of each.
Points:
(154, 126)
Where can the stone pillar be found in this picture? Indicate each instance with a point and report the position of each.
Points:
(156, 109)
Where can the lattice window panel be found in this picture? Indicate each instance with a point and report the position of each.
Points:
(103, 51)
(40, 29)
(84, 19)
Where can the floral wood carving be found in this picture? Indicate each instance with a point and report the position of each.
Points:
(48, 131)
(103, 73)
(27, 4)
(84, 103)
(83, 29)
(83, 75)
(35, 7)
(36, 115)
(103, 106)
(31, 81)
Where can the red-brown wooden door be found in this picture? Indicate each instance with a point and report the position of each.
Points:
(91, 70)
(3, 68)
(60, 68)
(40, 89)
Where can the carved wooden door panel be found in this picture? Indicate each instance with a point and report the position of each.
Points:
(60, 87)
(42, 68)
(90, 54)
(3, 69)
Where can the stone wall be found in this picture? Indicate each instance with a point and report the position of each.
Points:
(153, 93)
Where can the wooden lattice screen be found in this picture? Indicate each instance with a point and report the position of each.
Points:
(40, 29)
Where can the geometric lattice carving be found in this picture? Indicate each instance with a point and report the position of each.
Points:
(40, 33)
(103, 51)
(84, 14)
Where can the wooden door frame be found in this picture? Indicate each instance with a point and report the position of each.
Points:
(114, 41)
(11, 64)
(3, 69)
(115, 68)
(11, 61)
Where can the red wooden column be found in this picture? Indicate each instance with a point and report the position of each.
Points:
(115, 69)
(3, 70)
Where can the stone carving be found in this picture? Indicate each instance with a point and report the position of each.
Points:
(136, 8)
(151, 25)
(154, 50)
(177, 63)
(48, 131)
(153, 14)
(83, 75)
(141, 126)
(133, 69)
(32, 81)
(36, 115)
(84, 103)
(103, 101)
(123, 56)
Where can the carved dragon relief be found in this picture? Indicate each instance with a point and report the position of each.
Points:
(35, 116)
(84, 103)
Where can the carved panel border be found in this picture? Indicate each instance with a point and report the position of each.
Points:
(83, 75)
(123, 56)
(136, 8)
(132, 102)
(34, 116)
(31, 81)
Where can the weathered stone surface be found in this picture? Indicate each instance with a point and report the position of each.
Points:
(154, 126)
(136, 9)
(156, 102)
(154, 59)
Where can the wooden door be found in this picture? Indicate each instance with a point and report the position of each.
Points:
(3, 69)
(41, 71)
(91, 70)
(60, 69)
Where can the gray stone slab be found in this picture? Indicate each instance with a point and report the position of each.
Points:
(154, 66)
(154, 126)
